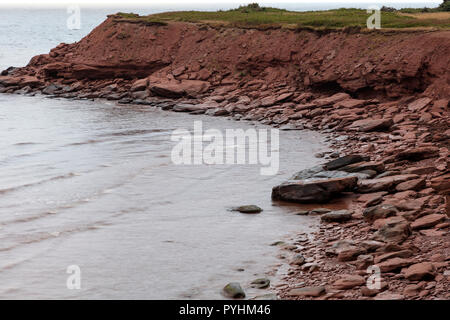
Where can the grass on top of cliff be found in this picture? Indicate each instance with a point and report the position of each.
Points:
(255, 16)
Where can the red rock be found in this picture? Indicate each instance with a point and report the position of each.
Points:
(139, 85)
(394, 264)
(441, 183)
(365, 291)
(351, 103)
(383, 184)
(441, 104)
(389, 296)
(331, 100)
(412, 290)
(420, 271)
(173, 89)
(420, 170)
(432, 233)
(427, 221)
(393, 232)
(284, 97)
(380, 211)
(419, 104)
(268, 101)
(398, 118)
(380, 223)
(418, 153)
(362, 166)
(307, 291)
(178, 71)
(349, 281)
(367, 125)
(415, 184)
(371, 199)
(395, 254)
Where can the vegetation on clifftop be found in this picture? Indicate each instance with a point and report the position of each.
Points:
(255, 16)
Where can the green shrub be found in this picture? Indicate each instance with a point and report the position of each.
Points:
(445, 6)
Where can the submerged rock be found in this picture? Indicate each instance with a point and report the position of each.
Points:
(233, 290)
(298, 260)
(248, 209)
(315, 191)
(260, 283)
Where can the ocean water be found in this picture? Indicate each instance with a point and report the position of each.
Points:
(92, 184)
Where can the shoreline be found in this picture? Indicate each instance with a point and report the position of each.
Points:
(391, 141)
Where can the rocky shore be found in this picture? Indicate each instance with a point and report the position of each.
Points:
(382, 98)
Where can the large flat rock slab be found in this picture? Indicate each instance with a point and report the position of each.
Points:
(313, 191)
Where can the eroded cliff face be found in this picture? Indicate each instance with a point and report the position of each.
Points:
(362, 64)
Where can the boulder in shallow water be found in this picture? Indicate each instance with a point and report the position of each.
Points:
(261, 283)
(248, 209)
(233, 290)
(313, 191)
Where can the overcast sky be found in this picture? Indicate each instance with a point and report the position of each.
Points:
(197, 3)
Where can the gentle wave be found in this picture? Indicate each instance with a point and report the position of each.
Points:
(27, 185)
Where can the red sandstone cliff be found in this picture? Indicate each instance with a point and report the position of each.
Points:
(364, 64)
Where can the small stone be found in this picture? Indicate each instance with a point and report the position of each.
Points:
(418, 104)
(268, 296)
(349, 281)
(393, 232)
(395, 254)
(298, 260)
(233, 290)
(307, 291)
(368, 125)
(248, 209)
(261, 283)
(319, 211)
(394, 264)
(415, 184)
(311, 267)
(380, 211)
(367, 292)
(411, 290)
(364, 261)
(427, 221)
(389, 296)
(420, 271)
(336, 216)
